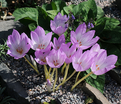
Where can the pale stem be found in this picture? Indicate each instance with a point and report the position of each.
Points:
(46, 71)
(52, 73)
(66, 80)
(66, 72)
(55, 79)
(77, 76)
(49, 72)
(62, 70)
(81, 80)
(31, 65)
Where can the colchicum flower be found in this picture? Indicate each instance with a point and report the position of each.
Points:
(83, 39)
(59, 25)
(103, 63)
(56, 58)
(68, 51)
(57, 43)
(18, 44)
(49, 86)
(95, 50)
(81, 61)
(41, 57)
(39, 40)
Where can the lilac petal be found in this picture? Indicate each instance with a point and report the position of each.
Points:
(52, 25)
(48, 36)
(73, 37)
(77, 67)
(61, 39)
(78, 53)
(81, 29)
(95, 47)
(16, 36)
(47, 48)
(101, 58)
(73, 49)
(110, 61)
(56, 44)
(93, 41)
(59, 30)
(89, 35)
(40, 31)
(38, 53)
(34, 37)
(68, 44)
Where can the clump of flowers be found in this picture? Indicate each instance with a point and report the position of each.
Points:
(58, 53)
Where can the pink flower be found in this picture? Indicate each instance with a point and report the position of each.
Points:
(103, 63)
(95, 50)
(57, 43)
(56, 58)
(49, 86)
(82, 38)
(41, 57)
(81, 61)
(39, 40)
(68, 51)
(59, 25)
(18, 44)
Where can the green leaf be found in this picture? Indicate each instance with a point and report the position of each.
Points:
(69, 8)
(46, 6)
(78, 8)
(92, 75)
(62, 12)
(26, 21)
(3, 3)
(45, 103)
(99, 26)
(92, 5)
(32, 26)
(100, 12)
(59, 4)
(111, 36)
(26, 12)
(98, 83)
(53, 6)
(52, 13)
(111, 22)
(44, 19)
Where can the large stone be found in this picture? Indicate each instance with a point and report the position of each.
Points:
(6, 28)
(99, 98)
(13, 87)
(116, 74)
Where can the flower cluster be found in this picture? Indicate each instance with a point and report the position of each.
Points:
(57, 53)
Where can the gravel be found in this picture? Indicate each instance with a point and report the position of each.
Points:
(36, 86)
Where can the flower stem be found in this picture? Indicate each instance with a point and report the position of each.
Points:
(49, 73)
(46, 71)
(66, 72)
(66, 80)
(52, 73)
(55, 79)
(77, 77)
(81, 80)
(62, 70)
(31, 65)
